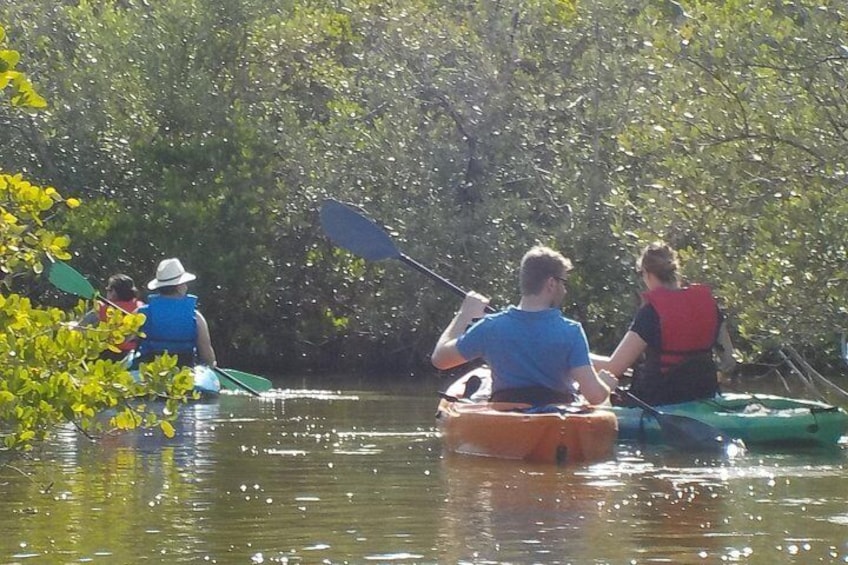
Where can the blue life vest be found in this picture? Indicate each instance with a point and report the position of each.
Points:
(170, 325)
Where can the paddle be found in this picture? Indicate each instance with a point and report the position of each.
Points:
(231, 379)
(66, 278)
(688, 433)
(350, 229)
(253, 381)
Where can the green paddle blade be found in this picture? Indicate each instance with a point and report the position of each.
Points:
(255, 382)
(66, 278)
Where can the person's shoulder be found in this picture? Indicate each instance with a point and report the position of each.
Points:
(506, 313)
(646, 310)
(566, 321)
(571, 326)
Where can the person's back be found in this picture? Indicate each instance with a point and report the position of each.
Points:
(537, 356)
(173, 324)
(121, 294)
(676, 329)
(169, 326)
(530, 353)
(679, 364)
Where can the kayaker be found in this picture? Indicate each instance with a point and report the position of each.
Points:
(173, 324)
(536, 354)
(120, 291)
(677, 328)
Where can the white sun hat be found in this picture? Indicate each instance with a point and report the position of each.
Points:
(170, 272)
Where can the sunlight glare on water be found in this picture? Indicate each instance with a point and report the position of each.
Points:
(327, 474)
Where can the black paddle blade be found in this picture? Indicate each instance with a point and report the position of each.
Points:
(689, 434)
(352, 230)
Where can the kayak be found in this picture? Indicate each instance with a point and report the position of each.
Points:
(206, 381)
(756, 419)
(560, 434)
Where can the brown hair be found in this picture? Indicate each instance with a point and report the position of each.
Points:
(659, 259)
(123, 285)
(538, 265)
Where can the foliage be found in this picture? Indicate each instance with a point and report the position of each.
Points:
(51, 373)
(211, 130)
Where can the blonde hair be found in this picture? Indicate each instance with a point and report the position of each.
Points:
(659, 259)
(538, 265)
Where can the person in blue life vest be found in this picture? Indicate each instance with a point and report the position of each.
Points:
(537, 355)
(675, 332)
(173, 324)
(121, 293)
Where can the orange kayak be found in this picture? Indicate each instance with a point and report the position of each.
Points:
(560, 434)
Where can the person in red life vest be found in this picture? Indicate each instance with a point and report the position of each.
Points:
(121, 293)
(173, 324)
(678, 329)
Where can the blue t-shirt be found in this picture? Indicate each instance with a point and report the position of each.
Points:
(527, 349)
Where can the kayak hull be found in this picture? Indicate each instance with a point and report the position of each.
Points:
(206, 381)
(756, 419)
(562, 435)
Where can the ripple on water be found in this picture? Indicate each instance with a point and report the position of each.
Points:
(394, 557)
(291, 394)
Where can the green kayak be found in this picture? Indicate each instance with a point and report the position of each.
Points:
(757, 419)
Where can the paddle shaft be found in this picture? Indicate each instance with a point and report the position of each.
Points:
(407, 260)
(643, 405)
(235, 381)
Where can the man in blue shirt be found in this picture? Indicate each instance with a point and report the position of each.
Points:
(537, 355)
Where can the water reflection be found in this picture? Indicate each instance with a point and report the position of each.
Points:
(497, 510)
(317, 474)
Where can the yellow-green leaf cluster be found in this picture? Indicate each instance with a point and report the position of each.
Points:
(24, 238)
(51, 374)
(23, 93)
(51, 371)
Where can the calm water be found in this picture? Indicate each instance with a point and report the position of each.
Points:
(345, 473)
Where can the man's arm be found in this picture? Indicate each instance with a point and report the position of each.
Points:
(591, 385)
(204, 341)
(446, 355)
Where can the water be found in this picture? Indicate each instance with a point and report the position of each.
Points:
(351, 473)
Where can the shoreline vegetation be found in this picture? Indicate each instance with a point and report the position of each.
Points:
(213, 129)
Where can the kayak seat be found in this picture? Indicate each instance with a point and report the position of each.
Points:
(472, 385)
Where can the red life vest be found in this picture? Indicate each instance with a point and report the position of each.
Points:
(127, 306)
(689, 322)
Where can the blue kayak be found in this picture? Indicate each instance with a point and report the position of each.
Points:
(756, 419)
(206, 381)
